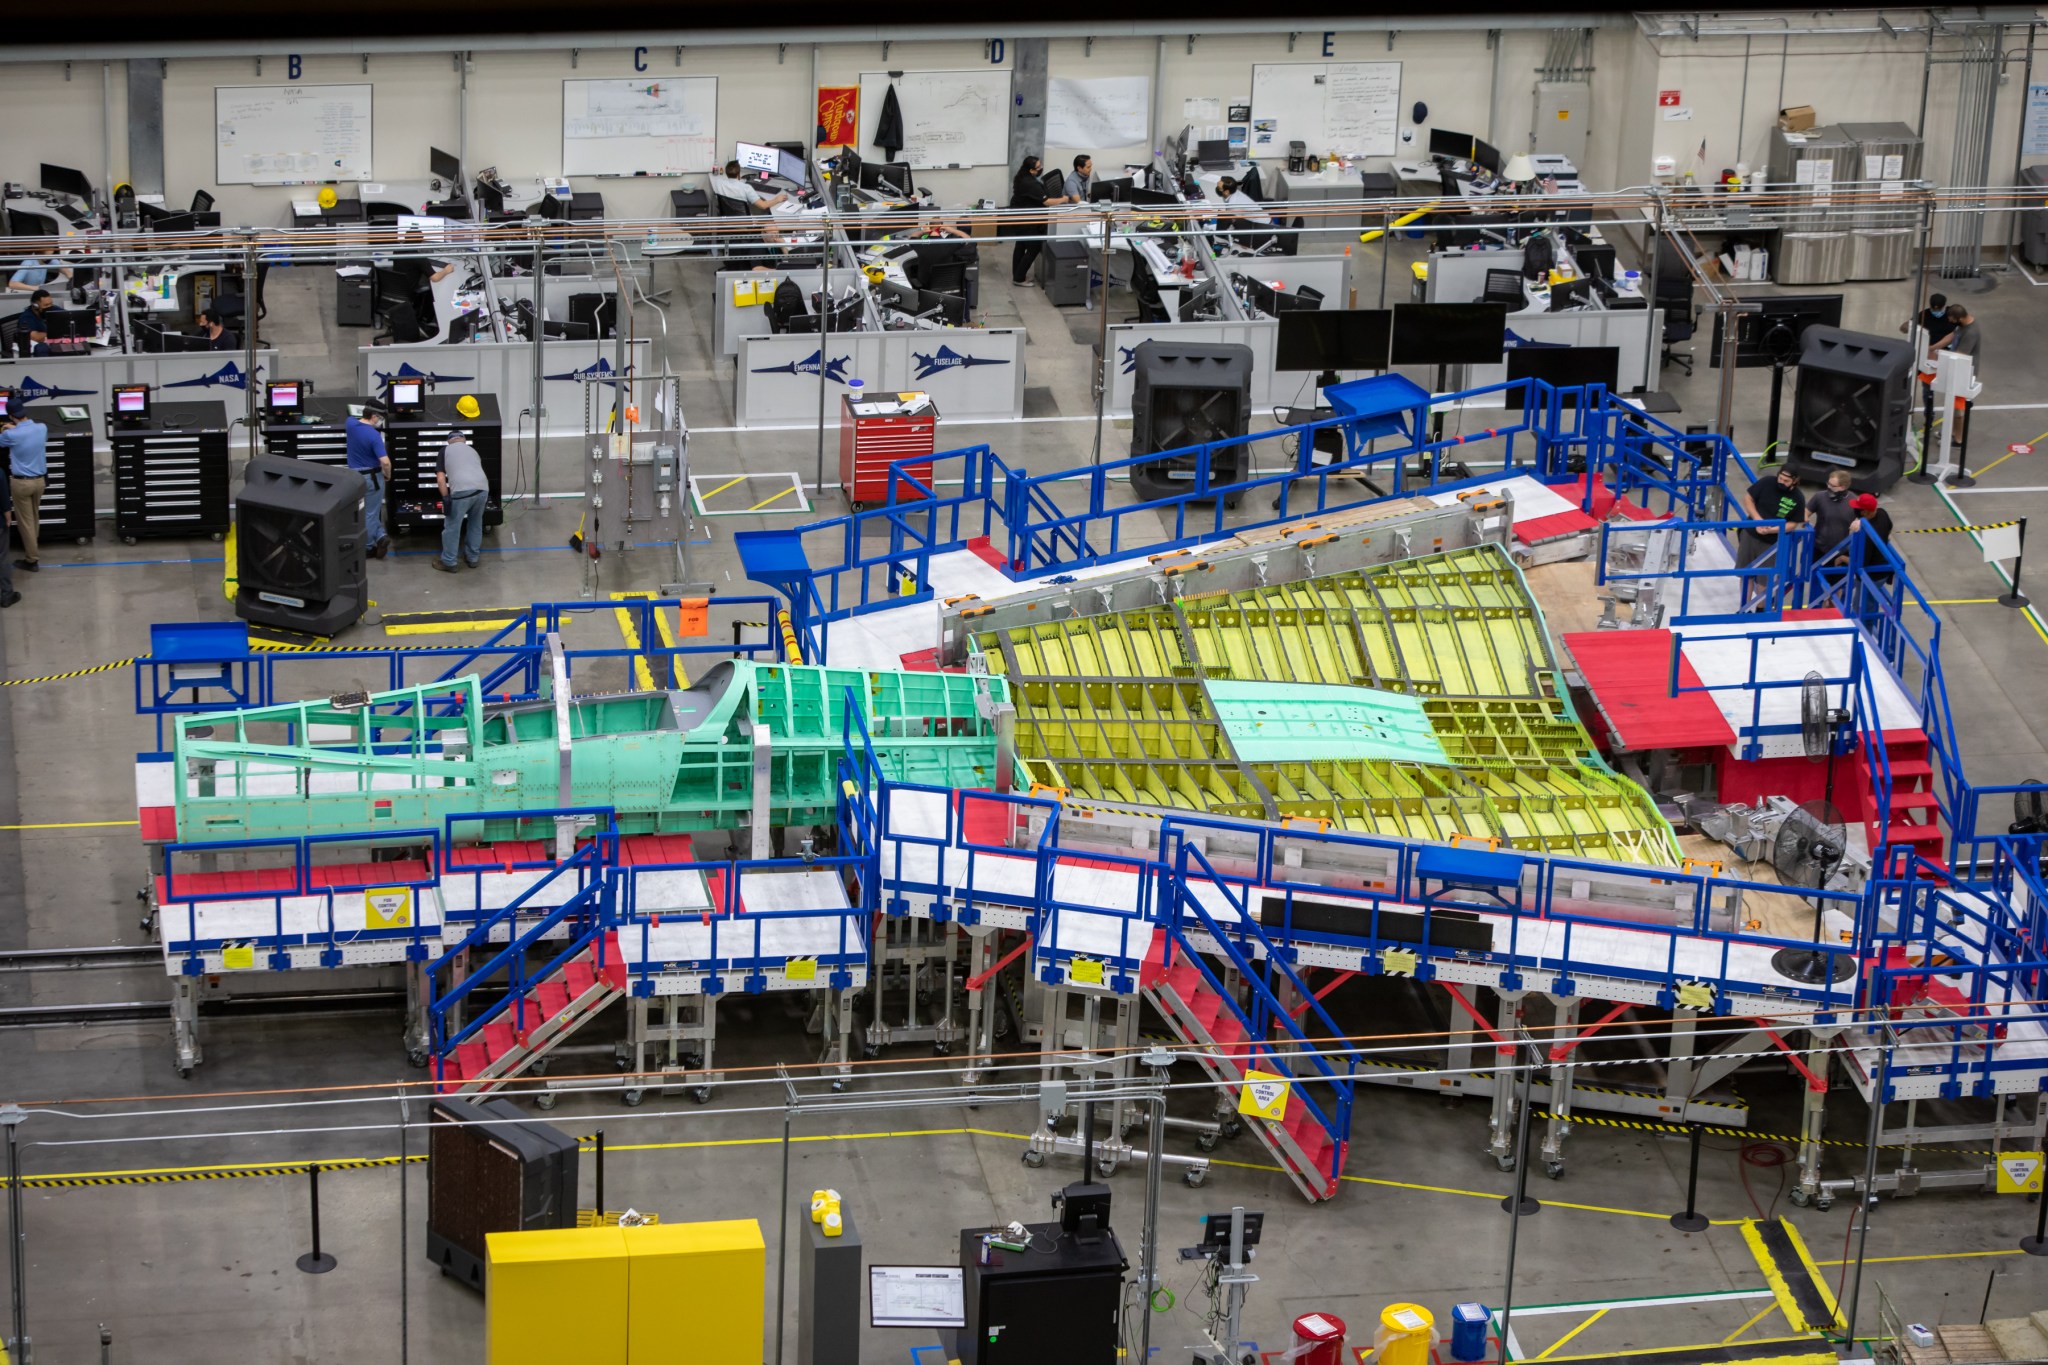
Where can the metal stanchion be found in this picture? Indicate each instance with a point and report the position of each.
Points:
(1963, 477)
(2016, 598)
(316, 1261)
(1691, 1220)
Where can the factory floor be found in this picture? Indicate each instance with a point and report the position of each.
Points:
(183, 1269)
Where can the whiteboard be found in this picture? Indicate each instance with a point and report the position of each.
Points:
(290, 134)
(1337, 108)
(950, 118)
(640, 127)
(1105, 112)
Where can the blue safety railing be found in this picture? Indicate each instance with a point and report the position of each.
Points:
(727, 936)
(302, 880)
(1773, 583)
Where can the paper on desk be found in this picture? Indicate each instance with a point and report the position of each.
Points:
(350, 271)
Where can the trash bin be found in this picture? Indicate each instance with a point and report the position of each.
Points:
(1319, 1339)
(1468, 1331)
(1406, 1333)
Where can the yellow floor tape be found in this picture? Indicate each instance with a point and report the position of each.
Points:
(1778, 1277)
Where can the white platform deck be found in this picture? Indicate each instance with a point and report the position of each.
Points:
(1533, 500)
(1720, 653)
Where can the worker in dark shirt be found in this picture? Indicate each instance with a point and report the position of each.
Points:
(1876, 525)
(216, 333)
(1833, 518)
(32, 329)
(1933, 319)
(1773, 498)
(1028, 192)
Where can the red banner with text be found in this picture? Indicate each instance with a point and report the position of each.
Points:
(838, 115)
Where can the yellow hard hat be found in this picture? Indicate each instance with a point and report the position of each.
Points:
(467, 406)
(327, 197)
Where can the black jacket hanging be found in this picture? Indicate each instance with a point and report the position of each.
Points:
(889, 127)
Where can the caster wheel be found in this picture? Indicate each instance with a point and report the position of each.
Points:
(544, 1100)
(941, 1049)
(1506, 1163)
(1194, 1178)
(632, 1098)
(1824, 1203)
(1801, 1198)
(184, 1073)
(1207, 1142)
(839, 1087)
(539, 1067)
(418, 1058)
(870, 1051)
(1554, 1169)
(127, 540)
(1232, 1128)
(1105, 1169)
(1034, 1159)
(702, 1094)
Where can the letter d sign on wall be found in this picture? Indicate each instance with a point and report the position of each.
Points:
(995, 51)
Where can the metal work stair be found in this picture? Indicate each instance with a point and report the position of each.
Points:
(1191, 1002)
(522, 1028)
(1909, 817)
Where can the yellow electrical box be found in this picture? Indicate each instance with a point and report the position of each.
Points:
(556, 1294)
(719, 1269)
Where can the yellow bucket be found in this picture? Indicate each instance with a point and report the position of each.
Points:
(1406, 1331)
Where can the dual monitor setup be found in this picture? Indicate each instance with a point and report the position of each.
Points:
(1326, 341)
(772, 160)
(1449, 146)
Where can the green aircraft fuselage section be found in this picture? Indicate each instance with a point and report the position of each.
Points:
(664, 761)
(1268, 722)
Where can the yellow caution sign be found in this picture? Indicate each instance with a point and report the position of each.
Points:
(1695, 995)
(387, 907)
(800, 969)
(238, 957)
(1264, 1095)
(1084, 971)
(2020, 1172)
(1399, 961)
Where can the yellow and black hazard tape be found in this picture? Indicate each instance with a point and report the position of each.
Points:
(586, 1142)
(74, 673)
(1951, 530)
(312, 647)
(1718, 1130)
(449, 622)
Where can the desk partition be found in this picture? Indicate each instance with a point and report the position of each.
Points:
(971, 373)
(83, 380)
(505, 368)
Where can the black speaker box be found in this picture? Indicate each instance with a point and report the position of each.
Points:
(299, 550)
(485, 1175)
(1188, 393)
(1853, 407)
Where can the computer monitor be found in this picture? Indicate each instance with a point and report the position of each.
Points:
(1330, 339)
(465, 328)
(1457, 146)
(790, 166)
(64, 180)
(922, 1296)
(1212, 152)
(754, 156)
(444, 166)
(1216, 1228)
(951, 307)
(1111, 191)
(130, 402)
(407, 396)
(1261, 296)
(7, 403)
(181, 342)
(70, 322)
(175, 222)
(429, 227)
(1569, 294)
(1449, 333)
(886, 177)
(1486, 155)
(1193, 301)
(284, 398)
(1771, 335)
(1567, 367)
(1154, 198)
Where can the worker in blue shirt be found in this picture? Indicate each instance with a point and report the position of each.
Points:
(34, 273)
(366, 457)
(26, 443)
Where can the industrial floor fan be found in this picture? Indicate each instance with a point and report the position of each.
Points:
(1810, 845)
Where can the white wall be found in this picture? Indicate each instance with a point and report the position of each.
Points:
(515, 101)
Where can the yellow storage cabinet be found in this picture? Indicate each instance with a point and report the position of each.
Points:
(556, 1294)
(698, 1288)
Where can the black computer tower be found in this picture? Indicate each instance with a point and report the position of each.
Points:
(300, 553)
(67, 508)
(413, 500)
(1853, 407)
(1187, 393)
(500, 1177)
(171, 472)
(1056, 1301)
(1063, 271)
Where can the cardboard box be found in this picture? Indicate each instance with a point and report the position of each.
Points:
(1797, 119)
(978, 226)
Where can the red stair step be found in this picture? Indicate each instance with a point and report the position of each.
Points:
(1914, 801)
(472, 1057)
(1310, 1136)
(1186, 979)
(551, 996)
(498, 1037)
(1911, 767)
(1228, 1032)
(1912, 834)
(579, 976)
(1205, 1006)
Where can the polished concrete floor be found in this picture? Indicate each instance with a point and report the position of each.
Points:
(192, 1270)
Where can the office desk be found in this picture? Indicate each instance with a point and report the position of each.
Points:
(1304, 188)
(58, 225)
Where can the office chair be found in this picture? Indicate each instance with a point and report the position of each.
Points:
(599, 312)
(1251, 184)
(201, 201)
(1505, 286)
(943, 277)
(1681, 319)
(551, 207)
(1151, 307)
(1290, 240)
(401, 327)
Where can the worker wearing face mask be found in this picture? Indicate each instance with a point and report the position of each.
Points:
(1833, 516)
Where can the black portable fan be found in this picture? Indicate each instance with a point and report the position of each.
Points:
(1817, 724)
(2029, 809)
(1810, 844)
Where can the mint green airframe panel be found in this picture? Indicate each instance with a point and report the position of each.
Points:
(665, 761)
(1279, 722)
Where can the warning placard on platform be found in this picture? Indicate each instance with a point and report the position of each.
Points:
(2019, 1172)
(388, 907)
(1264, 1095)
